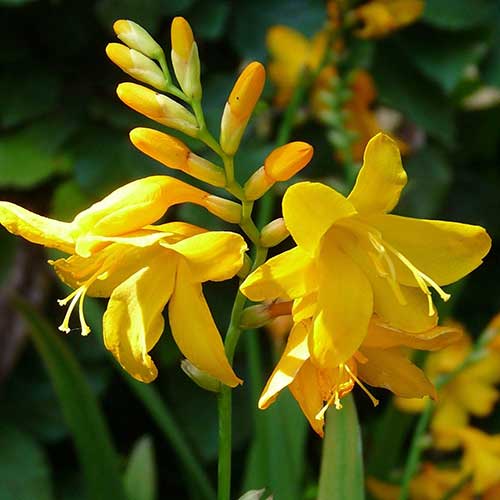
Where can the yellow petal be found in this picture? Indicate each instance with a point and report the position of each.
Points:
(296, 352)
(212, 256)
(310, 209)
(288, 45)
(382, 490)
(194, 330)
(478, 398)
(449, 414)
(305, 389)
(132, 207)
(381, 178)
(383, 336)
(391, 369)
(35, 228)
(411, 316)
(344, 308)
(133, 321)
(445, 251)
(285, 276)
(304, 307)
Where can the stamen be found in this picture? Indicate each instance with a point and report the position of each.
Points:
(373, 399)
(83, 323)
(64, 327)
(421, 278)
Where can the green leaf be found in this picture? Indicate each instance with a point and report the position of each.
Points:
(400, 86)
(80, 408)
(208, 18)
(24, 471)
(458, 14)
(252, 19)
(341, 474)
(429, 180)
(443, 56)
(140, 475)
(33, 154)
(23, 98)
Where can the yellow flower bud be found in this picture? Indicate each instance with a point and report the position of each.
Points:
(284, 162)
(136, 37)
(261, 314)
(199, 377)
(274, 233)
(257, 185)
(175, 154)
(224, 209)
(137, 65)
(239, 106)
(158, 107)
(185, 58)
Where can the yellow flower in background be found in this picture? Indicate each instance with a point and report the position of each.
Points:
(380, 361)
(381, 17)
(116, 252)
(472, 392)
(291, 53)
(431, 483)
(481, 459)
(353, 259)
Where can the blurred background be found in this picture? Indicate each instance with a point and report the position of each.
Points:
(434, 84)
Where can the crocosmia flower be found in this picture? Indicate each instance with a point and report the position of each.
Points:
(116, 252)
(354, 259)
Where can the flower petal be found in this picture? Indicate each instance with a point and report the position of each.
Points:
(381, 178)
(305, 389)
(445, 251)
(133, 321)
(194, 330)
(391, 369)
(212, 256)
(310, 209)
(286, 276)
(345, 306)
(304, 307)
(449, 414)
(382, 336)
(296, 352)
(35, 228)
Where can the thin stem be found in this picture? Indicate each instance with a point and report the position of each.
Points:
(416, 448)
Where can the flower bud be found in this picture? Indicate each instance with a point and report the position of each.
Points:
(224, 209)
(185, 58)
(137, 65)
(284, 162)
(274, 233)
(261, 314)
(136, 37)
(199, 377)
(176, 155)
(239, 106)
(158, 107)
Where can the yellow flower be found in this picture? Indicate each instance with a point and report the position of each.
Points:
(357, 260)
(116, 252)
(379, 361)
(471, 392)
(291, 53)
(432, 483)
(481, 458)
(380, 17)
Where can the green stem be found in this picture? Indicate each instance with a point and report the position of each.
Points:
(174, 434)
(416, 448)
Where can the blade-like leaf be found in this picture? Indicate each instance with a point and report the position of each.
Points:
(81, 411)
(341, 473)
(140, 476)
